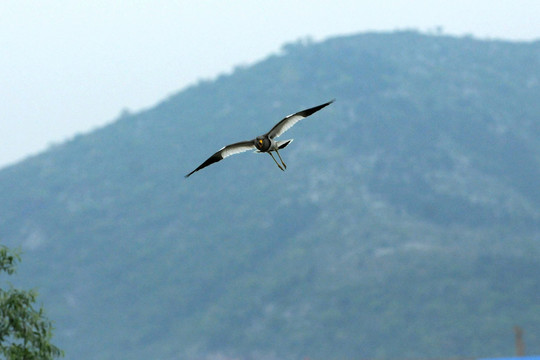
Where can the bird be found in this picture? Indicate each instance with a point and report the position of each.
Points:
(265, 143)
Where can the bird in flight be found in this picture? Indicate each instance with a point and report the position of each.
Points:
(264, 143)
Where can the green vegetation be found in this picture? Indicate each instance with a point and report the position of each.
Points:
(25, 333)
(406, 225)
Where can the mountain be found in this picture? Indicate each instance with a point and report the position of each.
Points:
(407, 223)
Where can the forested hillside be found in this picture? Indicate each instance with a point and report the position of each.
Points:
(407, 224)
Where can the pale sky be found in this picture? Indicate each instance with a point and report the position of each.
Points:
(67, 67)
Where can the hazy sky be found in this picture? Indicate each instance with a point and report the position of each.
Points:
(69, 66)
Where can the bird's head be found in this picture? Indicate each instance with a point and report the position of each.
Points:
(259, 142)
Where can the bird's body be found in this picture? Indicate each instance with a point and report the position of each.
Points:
(264, 143)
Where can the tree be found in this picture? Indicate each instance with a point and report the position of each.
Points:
(25, 333)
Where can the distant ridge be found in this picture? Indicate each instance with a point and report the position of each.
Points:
(406, 225)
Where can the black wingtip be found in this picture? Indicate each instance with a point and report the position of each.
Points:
(194, 171)
(328, 103)
(314, 109)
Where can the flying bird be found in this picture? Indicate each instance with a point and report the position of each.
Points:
(264, 143)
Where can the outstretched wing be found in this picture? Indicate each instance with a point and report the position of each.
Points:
(225, 152)
(289, 121)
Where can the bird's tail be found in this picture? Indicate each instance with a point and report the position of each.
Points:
(283, 144)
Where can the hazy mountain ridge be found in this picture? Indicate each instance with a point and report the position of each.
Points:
(407, 223)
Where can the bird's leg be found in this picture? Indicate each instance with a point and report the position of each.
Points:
(279, 166)
(285, 166)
